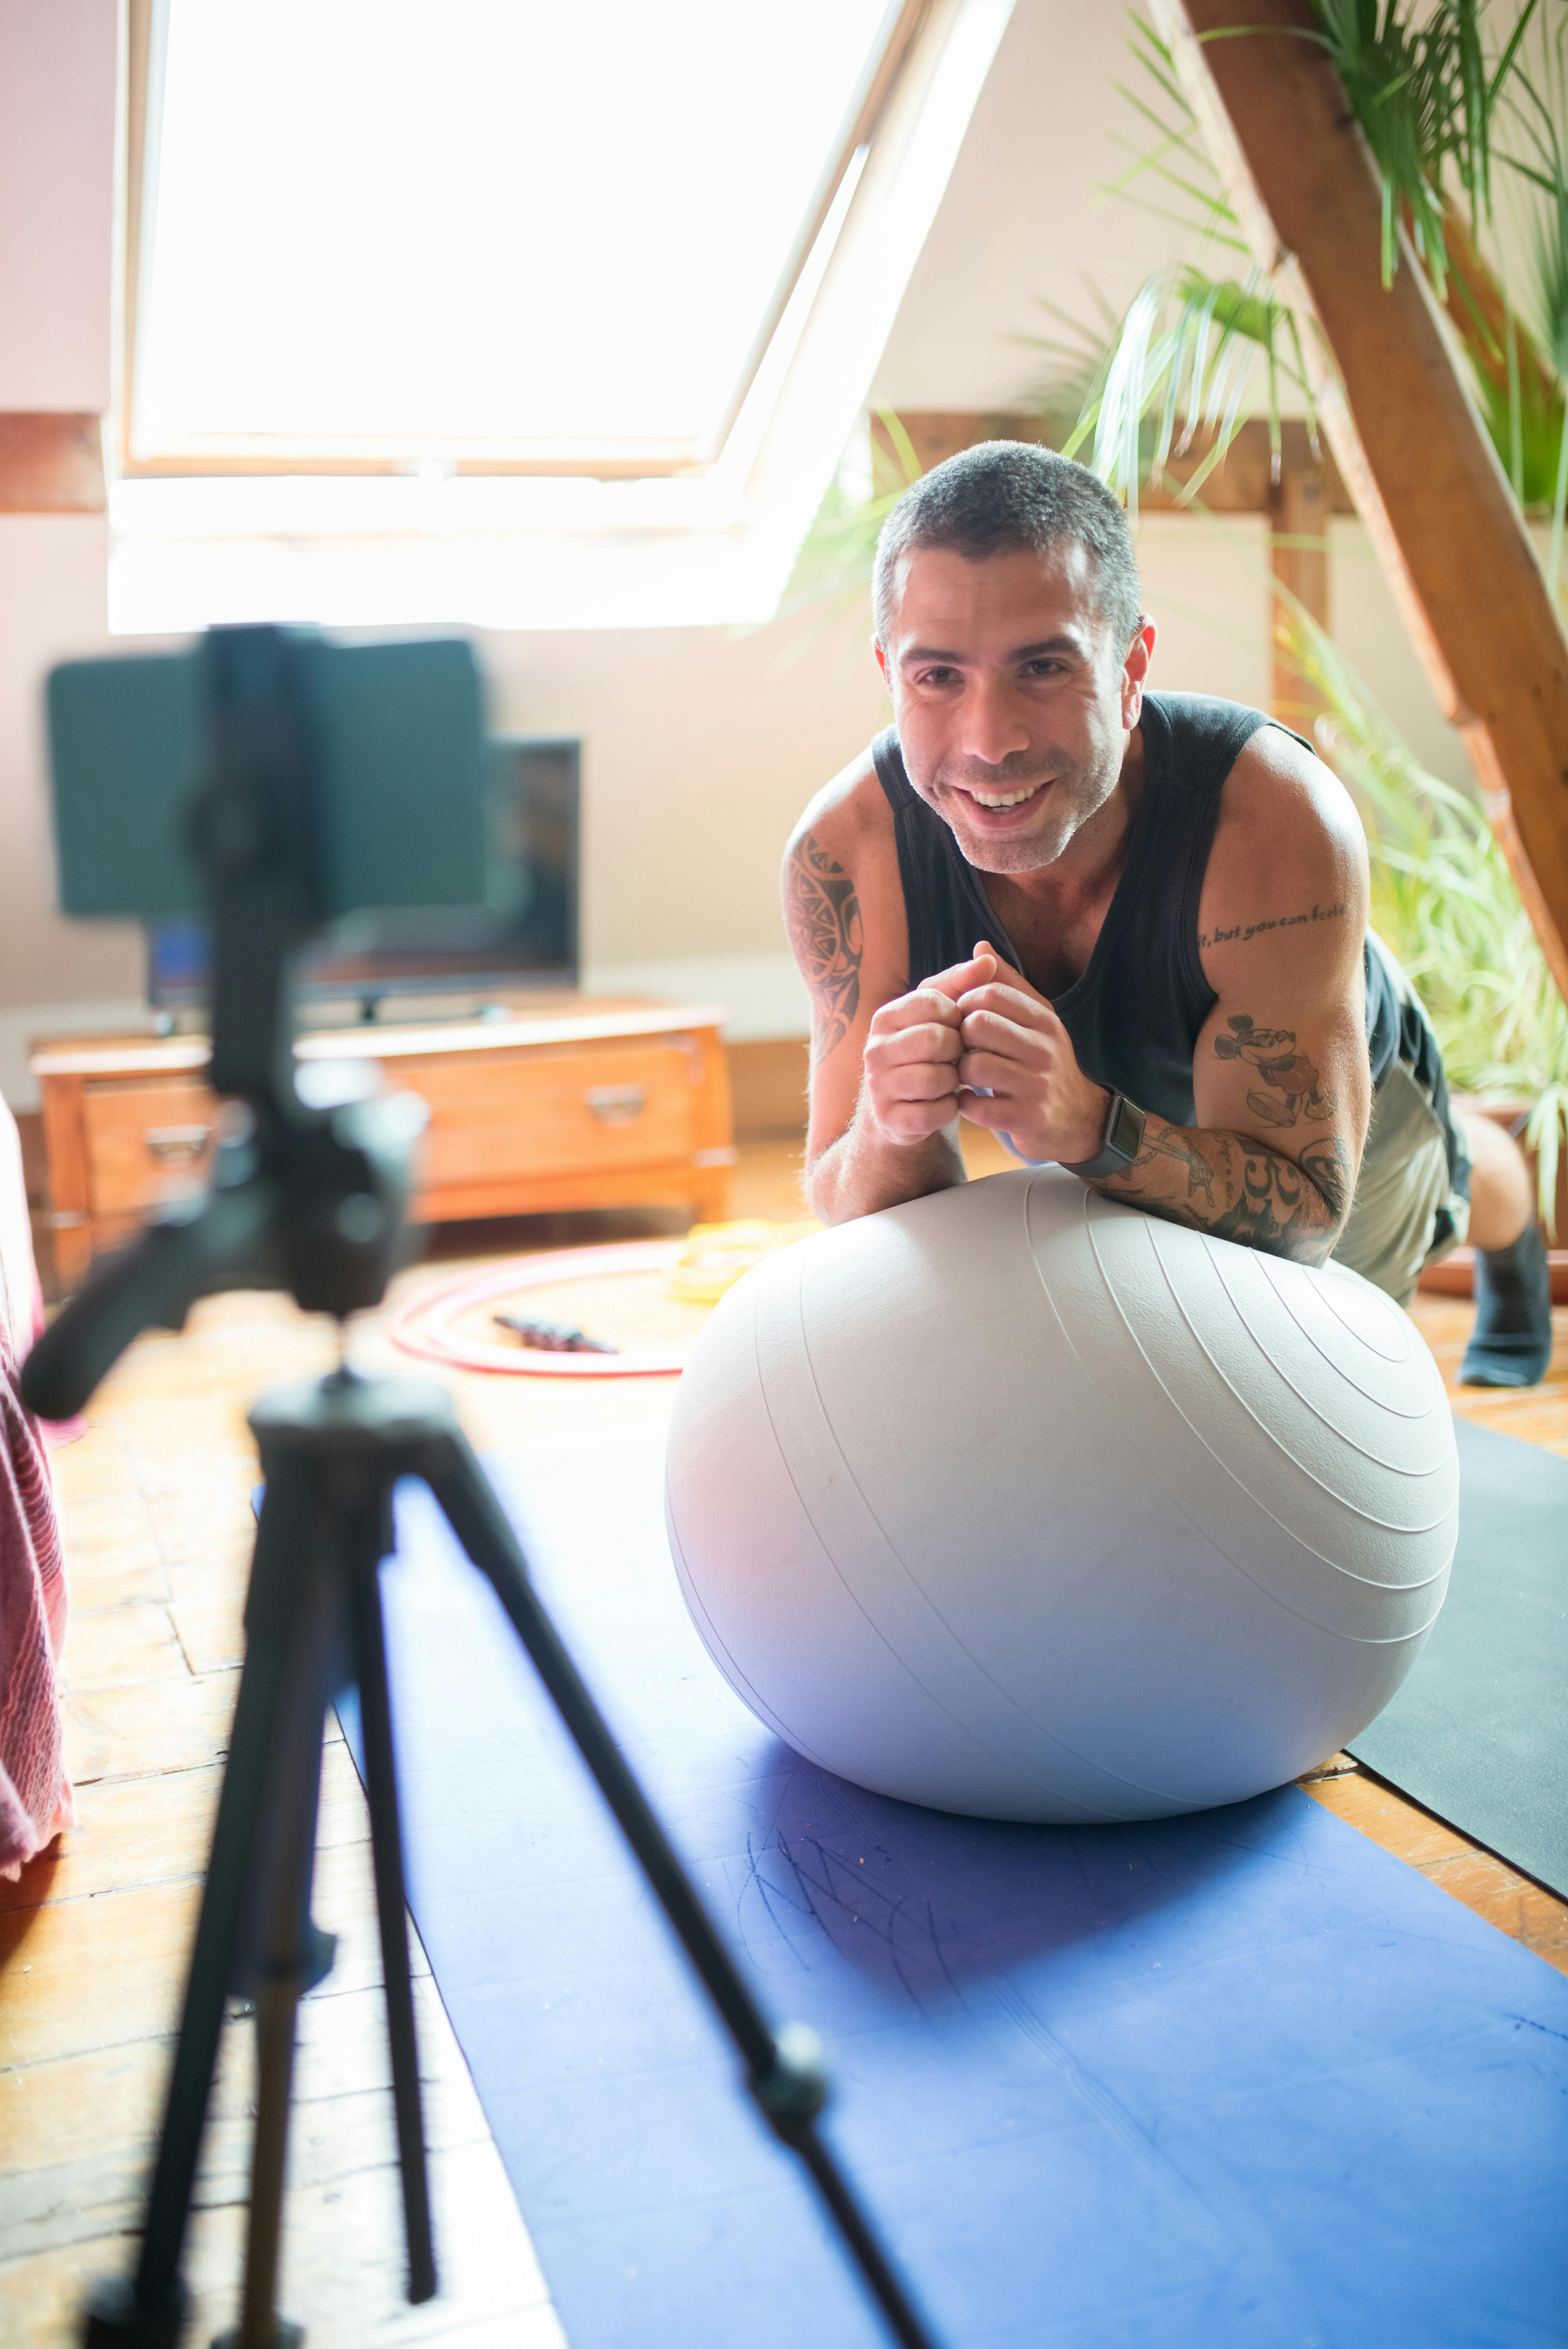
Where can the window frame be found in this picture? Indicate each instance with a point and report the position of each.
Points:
(238, 456)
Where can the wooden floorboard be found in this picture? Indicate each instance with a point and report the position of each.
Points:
(155, 1500)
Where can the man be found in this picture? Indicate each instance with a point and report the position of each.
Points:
(1126, 931)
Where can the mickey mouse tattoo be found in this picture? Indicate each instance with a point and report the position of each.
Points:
(1271, 1052)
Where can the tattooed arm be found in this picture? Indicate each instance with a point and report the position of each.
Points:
(1281, 1084)
(1241, 1189)
(1286, 1195)
(884, 1058)
(1280, 1077)
(823, 910)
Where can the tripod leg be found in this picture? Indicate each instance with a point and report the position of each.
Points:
(287, 1955)
(296, 1957)
(386, 1844)
(783, 2073)
(153, 2311)
(277, 2010)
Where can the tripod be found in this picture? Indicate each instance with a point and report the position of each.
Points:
(332, 1454)
(311, 1198)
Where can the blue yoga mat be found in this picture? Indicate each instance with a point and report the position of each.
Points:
(1238, 2078)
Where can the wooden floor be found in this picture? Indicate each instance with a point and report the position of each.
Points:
(93, 1941)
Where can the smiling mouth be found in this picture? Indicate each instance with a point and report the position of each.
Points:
(1000, 803)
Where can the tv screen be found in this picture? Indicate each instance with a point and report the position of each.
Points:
(526, 938)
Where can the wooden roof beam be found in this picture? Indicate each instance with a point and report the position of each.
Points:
(1408, 442)
(1240, 483)
(50, 464)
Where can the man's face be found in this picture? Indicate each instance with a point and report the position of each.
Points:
(1013, 702)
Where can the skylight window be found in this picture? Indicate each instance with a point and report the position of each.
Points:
(495, 234)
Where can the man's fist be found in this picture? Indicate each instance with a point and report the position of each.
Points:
(1018, 1072)
(912, 1055)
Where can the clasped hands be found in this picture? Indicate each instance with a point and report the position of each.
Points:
(978, 1041)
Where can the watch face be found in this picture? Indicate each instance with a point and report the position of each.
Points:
(1126, 1135)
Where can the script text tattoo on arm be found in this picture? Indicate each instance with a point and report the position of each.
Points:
(824, 918)
(1241, 934)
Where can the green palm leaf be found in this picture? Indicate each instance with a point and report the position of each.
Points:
(1186, 359)
(1443, 897)
(1199, 351)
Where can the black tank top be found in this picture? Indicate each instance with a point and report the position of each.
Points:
(1135, 1014)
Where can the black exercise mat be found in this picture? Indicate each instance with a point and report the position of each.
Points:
(1478, 1734)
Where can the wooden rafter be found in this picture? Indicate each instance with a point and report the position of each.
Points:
(1413, 453)
(50, 464)
(1242, 484)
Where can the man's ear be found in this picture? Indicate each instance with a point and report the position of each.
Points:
(882, 664)
(1135, 670)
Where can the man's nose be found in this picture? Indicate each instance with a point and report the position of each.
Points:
(993, 726)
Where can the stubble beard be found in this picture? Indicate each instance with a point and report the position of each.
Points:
(1073, 791)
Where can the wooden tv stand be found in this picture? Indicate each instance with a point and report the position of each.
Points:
(564, 1102)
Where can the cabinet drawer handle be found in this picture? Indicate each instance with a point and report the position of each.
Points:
(616, 1104)
(176, 1145)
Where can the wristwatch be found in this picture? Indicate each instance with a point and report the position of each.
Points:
(1120, 1143)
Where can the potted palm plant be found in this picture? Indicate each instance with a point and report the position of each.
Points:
(1198, 352)
(1444, 899)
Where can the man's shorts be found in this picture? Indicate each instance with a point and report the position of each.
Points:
(1412, 1195)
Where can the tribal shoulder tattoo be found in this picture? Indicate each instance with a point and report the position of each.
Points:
(823, 914)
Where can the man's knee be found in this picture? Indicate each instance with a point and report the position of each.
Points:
(1502, 1197)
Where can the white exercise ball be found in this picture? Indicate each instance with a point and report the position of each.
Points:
(1015, 1502)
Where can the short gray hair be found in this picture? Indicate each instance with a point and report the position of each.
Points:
(1006, 495)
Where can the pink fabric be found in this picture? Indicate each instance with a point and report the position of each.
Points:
(34, 1792)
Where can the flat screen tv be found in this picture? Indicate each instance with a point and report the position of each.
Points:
(528, 939)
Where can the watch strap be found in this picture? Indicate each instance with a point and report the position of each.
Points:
(1119, 1145)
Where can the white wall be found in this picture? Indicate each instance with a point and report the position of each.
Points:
(700, 746)
(1366, 624)
(1023, 224)
(52, 573)
(56, 169)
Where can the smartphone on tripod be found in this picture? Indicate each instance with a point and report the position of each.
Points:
(274, 782)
